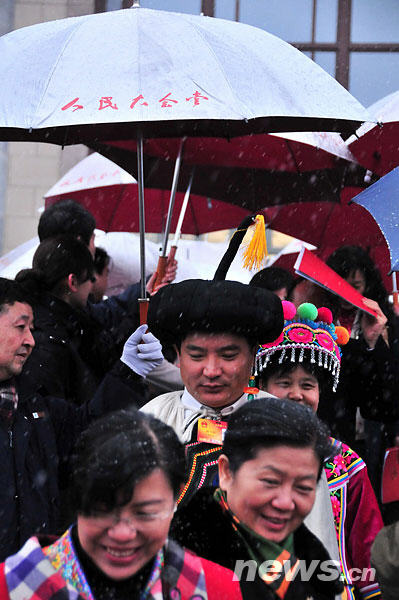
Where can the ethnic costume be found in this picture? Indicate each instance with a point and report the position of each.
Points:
(181, 411)
(37, 573)
(207, 307)
(309, 337)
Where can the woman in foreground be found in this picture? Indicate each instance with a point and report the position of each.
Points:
(272, 458)
(128, 472)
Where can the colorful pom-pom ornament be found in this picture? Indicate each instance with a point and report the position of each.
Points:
(324, 314)
(342, 335)
(307, 311)
(289, 310)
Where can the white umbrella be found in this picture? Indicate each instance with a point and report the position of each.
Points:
(140, 72)
(107, 75)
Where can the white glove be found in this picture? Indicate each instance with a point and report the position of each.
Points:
(142, 357)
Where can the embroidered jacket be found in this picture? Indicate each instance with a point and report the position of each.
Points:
(357, 519)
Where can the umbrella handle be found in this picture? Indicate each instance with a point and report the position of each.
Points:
(143, 309)
(172, 253)
(161, 268)
(395, 292)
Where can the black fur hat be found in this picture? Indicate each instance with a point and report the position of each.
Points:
(215, 307)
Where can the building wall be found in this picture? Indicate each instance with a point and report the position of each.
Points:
(28, 170)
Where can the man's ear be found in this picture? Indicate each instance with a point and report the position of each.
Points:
(225, 475)
(178, 355)
(72, 282)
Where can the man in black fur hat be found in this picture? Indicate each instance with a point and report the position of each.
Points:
(216, 327)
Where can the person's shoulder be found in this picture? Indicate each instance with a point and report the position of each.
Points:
(162, 403)
(221, 583)
(201, 506)
(263, 394)
(345, 461)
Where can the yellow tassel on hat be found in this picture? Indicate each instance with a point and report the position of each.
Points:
(256, 250)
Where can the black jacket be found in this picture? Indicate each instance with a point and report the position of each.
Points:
(72, 353)
(369, 379)
(35, 454)
(201, 526)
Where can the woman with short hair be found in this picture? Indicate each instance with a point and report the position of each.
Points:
(128, 472)
(272, 458)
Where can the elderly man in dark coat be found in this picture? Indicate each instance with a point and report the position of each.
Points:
(38, 434)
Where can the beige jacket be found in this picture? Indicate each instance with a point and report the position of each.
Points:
(170, 409)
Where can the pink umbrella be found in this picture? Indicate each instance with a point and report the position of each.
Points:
(111, 195)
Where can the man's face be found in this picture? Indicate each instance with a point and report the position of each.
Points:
(16, 339)
(215, 368)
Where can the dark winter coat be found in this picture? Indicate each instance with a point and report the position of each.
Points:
(201, 526)
(35, 453)
(118, 315)
(72, 353)
(369, 379)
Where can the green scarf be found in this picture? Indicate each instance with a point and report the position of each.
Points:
(260, 550)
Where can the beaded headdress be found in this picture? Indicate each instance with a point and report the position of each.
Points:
(306, 329)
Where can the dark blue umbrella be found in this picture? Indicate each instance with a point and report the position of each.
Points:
(382, 201)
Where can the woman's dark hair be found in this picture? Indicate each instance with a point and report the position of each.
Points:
(272, 278)
(101, 260)
(347, 259)
(275, 368)
(269, 422)
(119, 450)
(66, 217)
(53, 261)
(315, 294)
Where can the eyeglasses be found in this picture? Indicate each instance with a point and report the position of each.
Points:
(137, 520)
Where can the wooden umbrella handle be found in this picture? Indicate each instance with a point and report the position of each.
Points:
(161, 268)
(172, 253)
(143, 309)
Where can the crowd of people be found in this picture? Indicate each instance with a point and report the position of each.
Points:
(256, 473)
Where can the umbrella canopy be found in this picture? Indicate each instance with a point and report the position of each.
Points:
(329, 225)
(248, 186)
(108, 75)
(142, 73)
(251, 171)
(111, 195)
(294, 152)
(380, 200)
(377, 146)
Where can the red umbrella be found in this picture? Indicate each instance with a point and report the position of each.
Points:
(111, 195)
(294, 152)
(251, 171)
(377, 147)
(329, 225)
